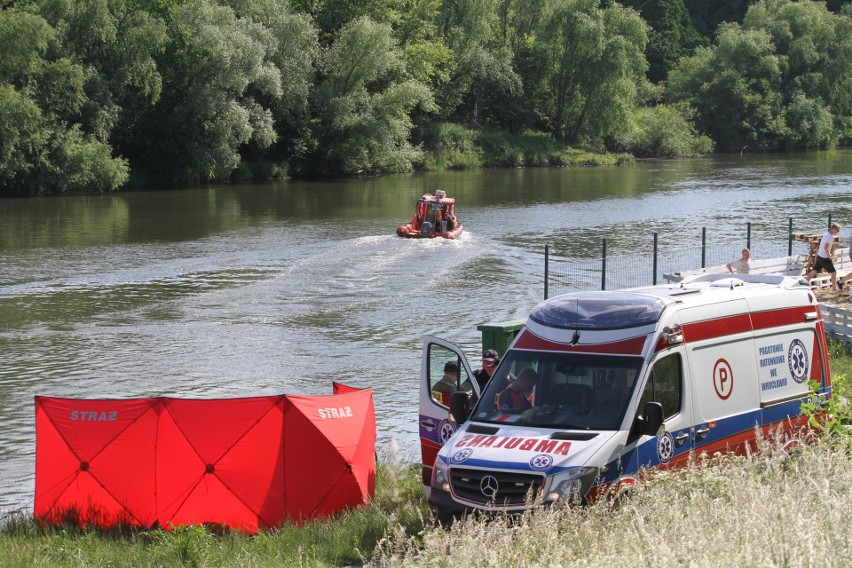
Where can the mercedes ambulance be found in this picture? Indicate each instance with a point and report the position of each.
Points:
(619, 382)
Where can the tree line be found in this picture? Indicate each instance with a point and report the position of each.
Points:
(96, 95)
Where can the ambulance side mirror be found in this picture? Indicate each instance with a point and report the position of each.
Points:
(460, 407)
(651, 419)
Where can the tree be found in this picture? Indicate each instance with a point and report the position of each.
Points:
(671, 36)
(595, 62)
(707, 16)
(295, 56)
(482, 74)
(781, 79)
(663, 131)
(217, 72)
(363, 103)
(43, 147)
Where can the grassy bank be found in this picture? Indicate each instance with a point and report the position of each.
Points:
(454, 147)
(763, 510)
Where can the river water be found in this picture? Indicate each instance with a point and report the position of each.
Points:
(242, 290)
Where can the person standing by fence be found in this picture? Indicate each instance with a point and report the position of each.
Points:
(823, 256)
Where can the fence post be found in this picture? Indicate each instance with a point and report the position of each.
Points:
(603, 267)
(703, 247)
(790, 239)
(655, 259)
(748, 236)
(829, 221)
(546, 268)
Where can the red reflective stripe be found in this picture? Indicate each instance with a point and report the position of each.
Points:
(775, 318)
(632, 346)
(720, 327)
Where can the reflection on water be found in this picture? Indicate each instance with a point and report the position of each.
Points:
(286, 287)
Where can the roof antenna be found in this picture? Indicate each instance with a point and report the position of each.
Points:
(576, 339)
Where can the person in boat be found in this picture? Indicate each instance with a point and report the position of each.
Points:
(823, 256)
(490, 358)
(516, 397)
(741, 265)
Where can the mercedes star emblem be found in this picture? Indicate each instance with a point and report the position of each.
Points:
(489, 486)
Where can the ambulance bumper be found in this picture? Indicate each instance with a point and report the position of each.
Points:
(444, 508)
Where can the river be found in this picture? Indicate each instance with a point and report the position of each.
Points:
(284, 287)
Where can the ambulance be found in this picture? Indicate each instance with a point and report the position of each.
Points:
(599, 387)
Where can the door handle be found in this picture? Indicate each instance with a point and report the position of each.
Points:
(681, 438)
(702, 432)
(428, 424)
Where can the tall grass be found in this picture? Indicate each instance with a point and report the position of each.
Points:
(763, 510)
(766, 509)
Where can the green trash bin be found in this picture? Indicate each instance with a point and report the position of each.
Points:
(499, 335)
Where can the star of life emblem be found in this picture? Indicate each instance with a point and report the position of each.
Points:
(445, 430)
(541, 462)
(797, 360)
(665, 447)
(461, 456)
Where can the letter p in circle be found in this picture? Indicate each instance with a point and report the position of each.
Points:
(723, 379)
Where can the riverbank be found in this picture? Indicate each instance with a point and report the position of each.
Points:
(676, 518)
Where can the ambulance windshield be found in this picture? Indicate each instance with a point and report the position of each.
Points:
(559, 390)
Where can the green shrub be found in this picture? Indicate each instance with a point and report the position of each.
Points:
(663, 131)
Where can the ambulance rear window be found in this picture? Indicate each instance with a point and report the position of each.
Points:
(598, 310)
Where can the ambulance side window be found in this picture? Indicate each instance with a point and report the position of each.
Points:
(665, 385)
(446, 375)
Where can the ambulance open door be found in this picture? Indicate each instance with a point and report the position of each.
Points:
(444, 370)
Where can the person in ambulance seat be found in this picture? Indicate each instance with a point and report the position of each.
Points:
(450, 381)
(515, 398)
(490, 358)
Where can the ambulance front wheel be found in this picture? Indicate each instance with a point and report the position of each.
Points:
(442, 518)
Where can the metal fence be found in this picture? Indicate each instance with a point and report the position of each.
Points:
(647, 265)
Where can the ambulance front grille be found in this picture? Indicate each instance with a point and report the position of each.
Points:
(511, 488)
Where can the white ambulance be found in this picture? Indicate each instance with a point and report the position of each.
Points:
(598, 387)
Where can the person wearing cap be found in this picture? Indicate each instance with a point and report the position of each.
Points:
(490, 358)
(450, 381)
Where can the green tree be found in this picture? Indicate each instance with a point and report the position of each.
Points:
(482, 74)
(295, 56)
(781, 79)
(671, 36)
(43, 147)
(217, 72)
(363, 104)
(815, 50)
(707, 16)
(595, 63)
(734, 88)
(663, 131)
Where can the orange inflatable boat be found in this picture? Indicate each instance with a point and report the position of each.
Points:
(434, 216)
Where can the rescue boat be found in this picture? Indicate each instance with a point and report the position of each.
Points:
(434, 216)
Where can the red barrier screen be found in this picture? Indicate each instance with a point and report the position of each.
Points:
(248, 463)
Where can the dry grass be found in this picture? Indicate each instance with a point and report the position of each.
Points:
(763, 510)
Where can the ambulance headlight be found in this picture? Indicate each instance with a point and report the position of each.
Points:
(440, 478)
(573, 486)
